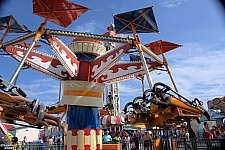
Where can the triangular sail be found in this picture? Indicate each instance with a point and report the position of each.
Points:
(142, 19)
(14, 25)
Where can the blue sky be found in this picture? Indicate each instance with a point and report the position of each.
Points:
(197, 67)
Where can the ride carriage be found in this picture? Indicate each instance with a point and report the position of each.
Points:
(18, 112)
(151, 110)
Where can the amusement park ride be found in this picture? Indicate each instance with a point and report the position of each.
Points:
(85, 66)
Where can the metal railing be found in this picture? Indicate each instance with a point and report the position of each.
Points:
(33, 146)
(192, 144)
(157, 144)
(182, 144)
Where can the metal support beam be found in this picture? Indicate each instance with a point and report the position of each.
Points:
(37, 36)
(21, 64)
(88, 36)
(145, 66)
(20, 39)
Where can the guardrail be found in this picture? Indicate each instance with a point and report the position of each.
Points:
(32, 147)
(157, 144)
(191, 144)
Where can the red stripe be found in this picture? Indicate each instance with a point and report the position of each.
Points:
(87, 132)
(101, 120)
(74, 132)
(65, 147)
(98, 147)
(87, 147)
(118, 121)
(8, 126)
(108, 120)
(74, 147)
(98, 131)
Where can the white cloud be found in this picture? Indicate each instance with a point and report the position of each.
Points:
(172, 3)
(113, 6)
(47, 90)
(89, 27)
(30, 86)
(44, 80)
(130, 88)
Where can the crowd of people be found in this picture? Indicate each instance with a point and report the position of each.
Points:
(145, 139)
(171, 138)
(129, 140)
(50, 141)
(216, 132)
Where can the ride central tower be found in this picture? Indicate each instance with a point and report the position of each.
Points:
(84, 98)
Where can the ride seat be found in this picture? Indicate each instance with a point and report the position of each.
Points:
(155, 109)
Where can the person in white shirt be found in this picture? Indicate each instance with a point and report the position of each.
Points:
(50, 142)
(127, 141)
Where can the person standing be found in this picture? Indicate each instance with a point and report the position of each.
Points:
(205, 127)
(207, 135)
(187, 138)
(135, 141)
(146, 141)
(117, 138)
(60, 142)
(16, 144)
(213, 132)
(127, 141)
(107, 139)
(151, 140)
(50, 142)
(139, 138)
(24, 143)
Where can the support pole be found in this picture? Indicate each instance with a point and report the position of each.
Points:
(167, 66)
(138, 44)
(40, 31)
(21, 65)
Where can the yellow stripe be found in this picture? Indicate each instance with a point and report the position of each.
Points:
(82, 93)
